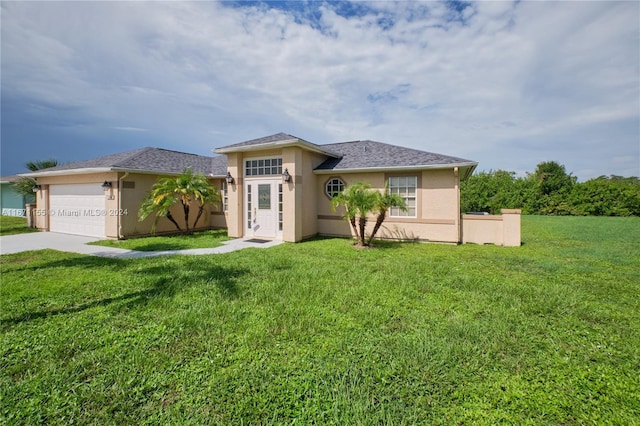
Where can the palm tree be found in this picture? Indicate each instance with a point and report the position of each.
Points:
(358, 200)
(185, 189)
(383, 203)
(24, 185)
(42, 164)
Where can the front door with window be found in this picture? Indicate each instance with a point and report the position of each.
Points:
(263, 208)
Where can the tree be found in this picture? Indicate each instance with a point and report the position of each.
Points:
(493, 191)
(186, 189)
(552, 178)
(359, 200)
(607, 196)
(550, 190)
(24, 185)
(42, 164)
(383, 203)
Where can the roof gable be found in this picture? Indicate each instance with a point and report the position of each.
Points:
(278, 137)
(279, 140)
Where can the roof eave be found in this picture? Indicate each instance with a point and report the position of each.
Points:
(81, 171)
(91, 170)
(277, 144)
(471, 165)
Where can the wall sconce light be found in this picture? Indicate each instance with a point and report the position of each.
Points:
(106, 185)
(229, 178)
(286, 177)
(36, 188)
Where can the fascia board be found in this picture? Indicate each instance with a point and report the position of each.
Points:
(86, 171)
(472, 165)
(82, 171)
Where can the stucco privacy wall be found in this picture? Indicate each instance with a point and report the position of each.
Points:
(437, 217)
(501, 230)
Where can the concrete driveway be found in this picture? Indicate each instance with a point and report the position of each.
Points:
(78, 244)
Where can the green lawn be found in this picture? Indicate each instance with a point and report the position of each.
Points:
(14, 225)
(200, 239)
(321, 333)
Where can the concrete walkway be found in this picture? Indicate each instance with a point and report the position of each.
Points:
(78, 244)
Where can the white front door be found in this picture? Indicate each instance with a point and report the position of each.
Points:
(263, 208)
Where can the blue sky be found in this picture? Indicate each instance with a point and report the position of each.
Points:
(508, 84)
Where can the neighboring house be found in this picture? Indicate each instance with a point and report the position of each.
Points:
(11, 202)
(276, 187)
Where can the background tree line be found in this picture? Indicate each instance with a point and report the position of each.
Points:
(550, 190)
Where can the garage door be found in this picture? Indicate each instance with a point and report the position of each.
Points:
(77, 209)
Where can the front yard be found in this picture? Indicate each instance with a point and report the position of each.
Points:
(318, 332)
(200, 239)
(14, 225)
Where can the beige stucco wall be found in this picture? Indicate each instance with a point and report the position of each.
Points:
(132, 198)
(437, 210)
(501, 230)
(300, 200)
(234, 216)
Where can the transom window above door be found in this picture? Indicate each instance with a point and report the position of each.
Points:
(263, 167)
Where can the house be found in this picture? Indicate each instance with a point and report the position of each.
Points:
(275, 187)
(11, 202)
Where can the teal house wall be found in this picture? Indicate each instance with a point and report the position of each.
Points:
(12, 203)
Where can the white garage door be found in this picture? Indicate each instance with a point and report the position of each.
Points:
(77, 209)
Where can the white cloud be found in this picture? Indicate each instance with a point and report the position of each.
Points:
(487, 83)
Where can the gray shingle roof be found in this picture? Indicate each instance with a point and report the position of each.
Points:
(9, 179)
(358, 155)
(149, 160)
(371, 154)
(278, 137)
(355, 155)
(219, 165)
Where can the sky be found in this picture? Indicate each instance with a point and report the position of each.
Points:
(507, 84)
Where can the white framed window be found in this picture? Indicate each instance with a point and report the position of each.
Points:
(407, 188)
(333, 187)
(225, 196)
(263, 167)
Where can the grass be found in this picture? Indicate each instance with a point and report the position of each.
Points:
(321, 333)
(10, 225)
(200, 239)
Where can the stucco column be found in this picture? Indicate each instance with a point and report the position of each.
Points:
(235, 198)
(458, 214)
(511, 224)
(292, 195)
(42, 209)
